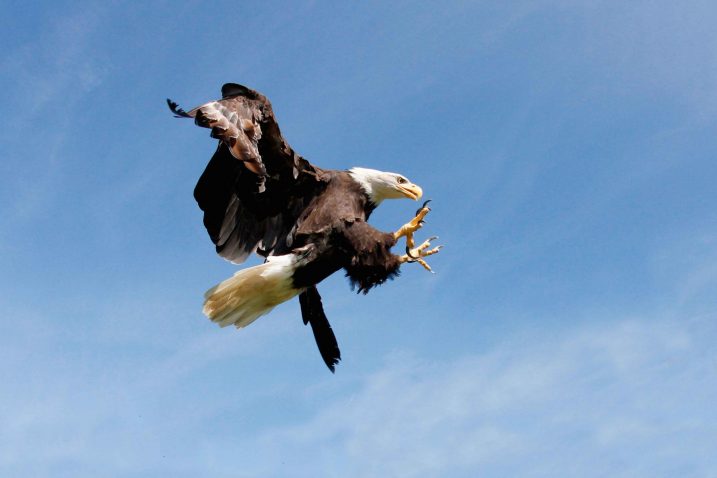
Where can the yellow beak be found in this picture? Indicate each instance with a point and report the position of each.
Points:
(411, 191)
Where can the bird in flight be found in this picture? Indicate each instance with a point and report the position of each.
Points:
(259, 196)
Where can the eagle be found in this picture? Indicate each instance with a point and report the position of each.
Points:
(259, 196)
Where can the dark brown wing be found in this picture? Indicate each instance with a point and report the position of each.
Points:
(255, 187)
(244, 120)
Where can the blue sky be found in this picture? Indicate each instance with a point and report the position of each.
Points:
(569, 148)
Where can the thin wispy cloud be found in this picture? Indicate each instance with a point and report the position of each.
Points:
(49, 76)
(57, 65)
(617, 399)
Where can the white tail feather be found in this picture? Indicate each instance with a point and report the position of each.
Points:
(251, 292)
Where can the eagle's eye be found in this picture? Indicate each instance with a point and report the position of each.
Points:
(401, 180)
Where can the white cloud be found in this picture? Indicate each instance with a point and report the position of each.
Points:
(622, 399)
(618, 398)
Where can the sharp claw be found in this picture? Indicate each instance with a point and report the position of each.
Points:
(425, 265)
(423, 207)
(408, 253)
(432, 238)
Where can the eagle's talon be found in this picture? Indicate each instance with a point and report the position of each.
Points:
(417, 254)
(413, 225)
(425, 265)
(413, 253)
(425, 206)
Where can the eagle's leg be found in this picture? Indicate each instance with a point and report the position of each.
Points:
(418, 253)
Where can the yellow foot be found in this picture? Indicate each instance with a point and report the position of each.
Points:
(418, 253)
(415, 224)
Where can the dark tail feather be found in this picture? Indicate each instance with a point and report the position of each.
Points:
(178, 112)
(312, 312)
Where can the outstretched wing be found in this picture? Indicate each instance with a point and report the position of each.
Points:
(255, 187)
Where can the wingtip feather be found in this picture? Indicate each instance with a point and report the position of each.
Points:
(178, 112)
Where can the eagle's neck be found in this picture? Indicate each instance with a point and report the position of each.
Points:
(366, 179)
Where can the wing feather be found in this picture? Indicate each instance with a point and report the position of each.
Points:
(255, 187)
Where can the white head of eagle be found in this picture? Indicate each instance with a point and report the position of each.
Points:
(259, 196)
(380, 185)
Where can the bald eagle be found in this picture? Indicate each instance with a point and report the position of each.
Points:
(259, 196)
